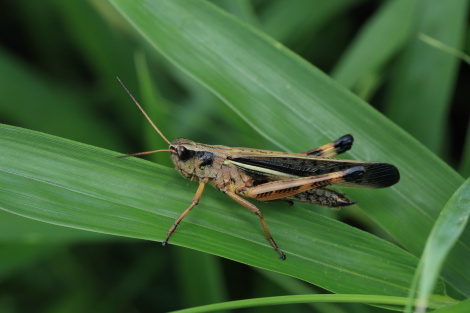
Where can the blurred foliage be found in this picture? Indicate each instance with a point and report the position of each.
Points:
(58, 63)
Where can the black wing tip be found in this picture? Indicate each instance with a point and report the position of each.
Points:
(344, 143)
(354, 174)
(382, 175)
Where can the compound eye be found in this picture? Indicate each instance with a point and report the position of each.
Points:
(183, 153)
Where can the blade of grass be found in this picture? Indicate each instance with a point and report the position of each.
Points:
(295, 287)
(285, 99)
(379, 40)
(295, 21)
(441, 46)
(155, 106)
(462, 307)
(79, 186)
(449, 226)
(420, 93)
(243, 9)
(18, 230)
(382, 300)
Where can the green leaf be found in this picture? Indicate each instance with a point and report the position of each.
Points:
(420, 94)
(382, 37)
(18, 230)
(378, 300)
(297, 21)
(449, 226)
(297, 107)
(71, 184)
(462, 307)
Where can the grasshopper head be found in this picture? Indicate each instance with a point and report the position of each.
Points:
(190, 160)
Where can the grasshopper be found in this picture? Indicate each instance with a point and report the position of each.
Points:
(266, 175)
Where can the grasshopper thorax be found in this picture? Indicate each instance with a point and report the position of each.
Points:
(191, 160)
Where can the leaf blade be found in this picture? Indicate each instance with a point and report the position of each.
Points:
(444, 235)
(71, 184)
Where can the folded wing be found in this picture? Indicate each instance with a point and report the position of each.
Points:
(279, 167)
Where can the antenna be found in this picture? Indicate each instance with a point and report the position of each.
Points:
(141, 153)
(146, 116)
